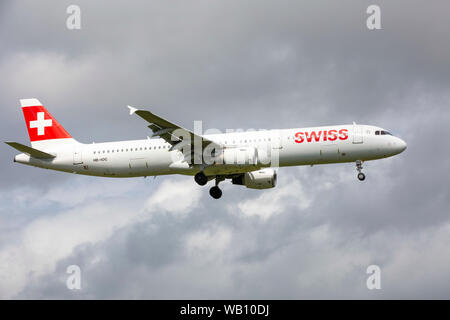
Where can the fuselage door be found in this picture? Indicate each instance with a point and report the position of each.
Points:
(77, 157)
(357, 134)
(329, 152)
(276, 142)
(139, 166)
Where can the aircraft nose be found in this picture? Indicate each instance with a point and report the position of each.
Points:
(400, 145)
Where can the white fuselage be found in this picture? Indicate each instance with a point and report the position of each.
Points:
(151, 157)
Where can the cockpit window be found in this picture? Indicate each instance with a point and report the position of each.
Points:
(382, 132)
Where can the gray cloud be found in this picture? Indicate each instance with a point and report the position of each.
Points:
(262, 64)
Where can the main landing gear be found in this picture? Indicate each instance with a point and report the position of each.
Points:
(201, 178)
(215, 191)
(361, 176)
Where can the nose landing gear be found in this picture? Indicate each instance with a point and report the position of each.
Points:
(361, 176)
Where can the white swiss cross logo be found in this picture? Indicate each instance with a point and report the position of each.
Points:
(40, 123)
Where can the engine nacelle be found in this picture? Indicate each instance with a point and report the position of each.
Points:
(259, 179)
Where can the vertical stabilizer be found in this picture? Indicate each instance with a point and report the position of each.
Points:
(43, 129)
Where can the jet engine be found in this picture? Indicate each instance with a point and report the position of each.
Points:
(259, 179)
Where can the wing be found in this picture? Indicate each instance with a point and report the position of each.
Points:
(178, 137)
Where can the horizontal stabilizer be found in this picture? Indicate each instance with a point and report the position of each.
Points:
(35, 153)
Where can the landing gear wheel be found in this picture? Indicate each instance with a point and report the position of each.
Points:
(201, 178)
(215, 192)
(361, 176)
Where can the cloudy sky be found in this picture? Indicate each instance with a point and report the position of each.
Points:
(231, 64)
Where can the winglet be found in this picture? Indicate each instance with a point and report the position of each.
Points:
(132, 110)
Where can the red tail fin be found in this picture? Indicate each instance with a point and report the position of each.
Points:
(40, 123)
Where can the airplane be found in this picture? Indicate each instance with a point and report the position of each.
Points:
(249, 158)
